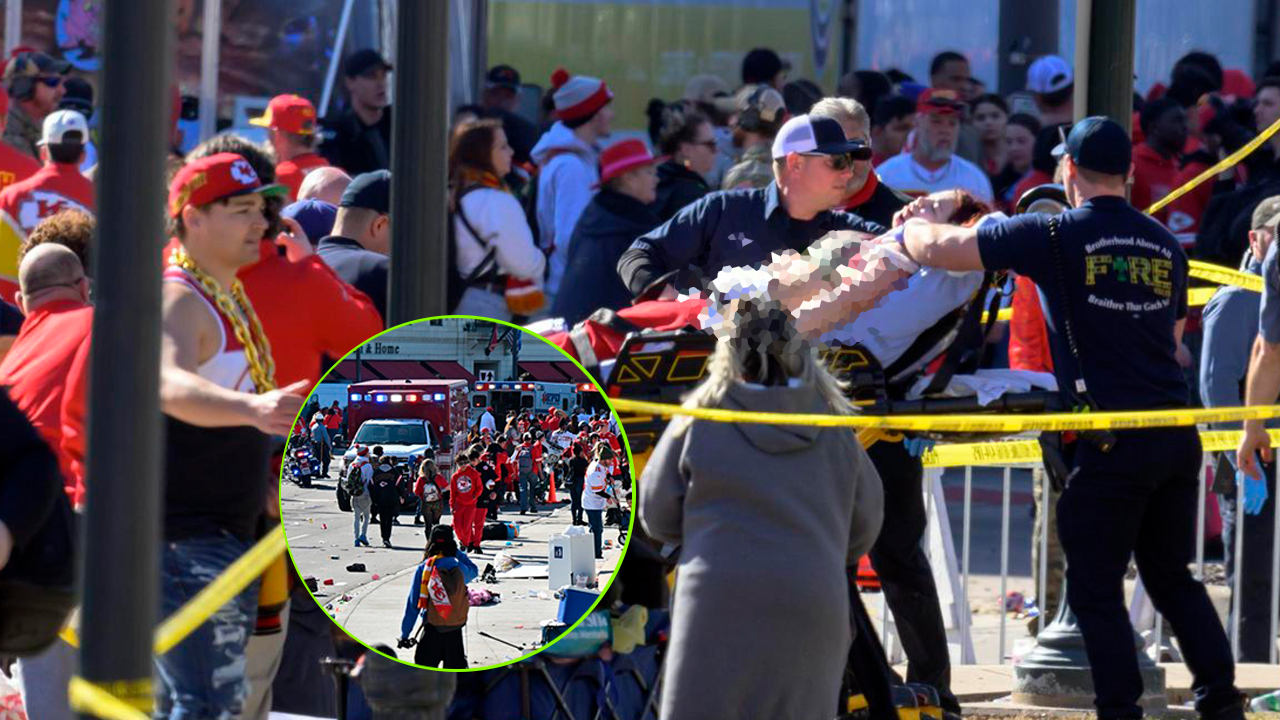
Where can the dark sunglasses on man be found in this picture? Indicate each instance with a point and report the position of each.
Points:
(52, 81)
(844, 161)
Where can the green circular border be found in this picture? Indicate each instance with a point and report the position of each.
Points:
(630, 465)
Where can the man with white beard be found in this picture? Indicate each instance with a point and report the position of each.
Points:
(932, 164)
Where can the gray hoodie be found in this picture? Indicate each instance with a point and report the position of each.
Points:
(769, 518)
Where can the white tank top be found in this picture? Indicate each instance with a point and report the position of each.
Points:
(229, 367)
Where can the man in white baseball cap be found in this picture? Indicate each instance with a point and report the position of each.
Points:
(56, 187)
(812, 164)
(1052, 82)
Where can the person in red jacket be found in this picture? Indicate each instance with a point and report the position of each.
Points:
(464, 491)
(1156, 159)
(55, 187)
(291, 121)
(55, 298)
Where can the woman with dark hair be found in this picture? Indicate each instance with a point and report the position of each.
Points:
(764, 514)
(687, 137)
(991, 119)
(438, 596)
(498, 267)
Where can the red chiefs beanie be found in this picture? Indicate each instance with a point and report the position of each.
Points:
(578, 96)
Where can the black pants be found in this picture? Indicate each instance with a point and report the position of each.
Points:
(1254, 601)
(867, 670)
(441, 646)
(575, 499)
(323, 456)
(387, 513)
(905, 575)
(1139, 500)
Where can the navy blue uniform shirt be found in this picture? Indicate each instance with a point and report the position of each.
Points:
(729, 228)
(365, 270)
(1126, 287)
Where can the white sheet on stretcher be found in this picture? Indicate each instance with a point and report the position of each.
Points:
(988, 385)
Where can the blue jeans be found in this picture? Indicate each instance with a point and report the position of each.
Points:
(526, 492)
(204, 675)
(595, 518)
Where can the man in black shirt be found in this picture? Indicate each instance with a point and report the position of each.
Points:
(1115, 289)
(358, 139)
(868, 198)
(577, 480)
(360, 244)
(501, 99)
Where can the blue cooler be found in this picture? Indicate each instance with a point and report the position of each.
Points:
(574, 604)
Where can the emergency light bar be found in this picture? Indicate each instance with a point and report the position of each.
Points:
(411, 398)
(397, 398)
(379, 398)
(438, 397)
(586, 387)
(355, 397)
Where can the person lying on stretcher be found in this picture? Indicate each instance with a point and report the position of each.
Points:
(846, 288)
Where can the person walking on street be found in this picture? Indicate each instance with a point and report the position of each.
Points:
(578, 465)
(464, 491)
(438, 597)
(431, 502)
(525, 474)
(358, 485)
(1114, 283)
(385, 489)
(597, 494)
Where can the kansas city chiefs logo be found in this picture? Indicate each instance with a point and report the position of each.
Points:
(40, 204)
(464, 485)
(243, 172)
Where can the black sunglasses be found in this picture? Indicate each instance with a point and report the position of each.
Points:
(52, 81)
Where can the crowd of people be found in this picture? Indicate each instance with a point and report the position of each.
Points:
(550, 220)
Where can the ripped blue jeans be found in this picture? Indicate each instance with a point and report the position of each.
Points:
(204, 675)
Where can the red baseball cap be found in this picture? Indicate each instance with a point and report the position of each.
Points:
(213, 178)
(939, 101)
(622, 156)
(290, 113)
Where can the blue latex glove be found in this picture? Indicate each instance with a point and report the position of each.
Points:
(1255, 493)
(917, 447)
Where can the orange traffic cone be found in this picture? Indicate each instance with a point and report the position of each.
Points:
(551, 492)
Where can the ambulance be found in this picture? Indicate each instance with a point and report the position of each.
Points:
(515, 396)
(407, 417)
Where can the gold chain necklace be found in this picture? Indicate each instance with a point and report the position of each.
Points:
(235, 306)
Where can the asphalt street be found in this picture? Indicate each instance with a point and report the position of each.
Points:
(370, 603)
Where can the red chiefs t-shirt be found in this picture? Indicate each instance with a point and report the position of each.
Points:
(23, 204)
(290, 173)
(38, 372)
(337, 318)
(464, 487)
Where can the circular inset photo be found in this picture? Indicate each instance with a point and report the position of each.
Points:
(459, 490)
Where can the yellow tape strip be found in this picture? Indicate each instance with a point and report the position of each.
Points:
(1017, 452)
(1225, 276)
(1223, 164)
(85, 697)
(235, 578)
(219, 592)
(1129, 420)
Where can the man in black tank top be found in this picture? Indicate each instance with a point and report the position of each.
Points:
(214, 363)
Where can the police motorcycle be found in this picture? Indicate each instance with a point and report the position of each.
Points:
(301, 464)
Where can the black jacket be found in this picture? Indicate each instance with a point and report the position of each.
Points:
(677, 186)
(347, 143)
(1224, 229)
(880, 207)
(362, 269)
(33, 505)
(606, 228)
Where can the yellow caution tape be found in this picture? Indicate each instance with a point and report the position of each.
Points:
(1018, 452)
(234, 579)
(87, 698)
(1223, 164)
(1128, 420)
(1225, 276)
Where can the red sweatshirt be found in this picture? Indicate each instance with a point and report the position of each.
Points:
(464, 488)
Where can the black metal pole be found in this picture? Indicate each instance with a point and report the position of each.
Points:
(419, 129)
(120, 539)
(1110, 89)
